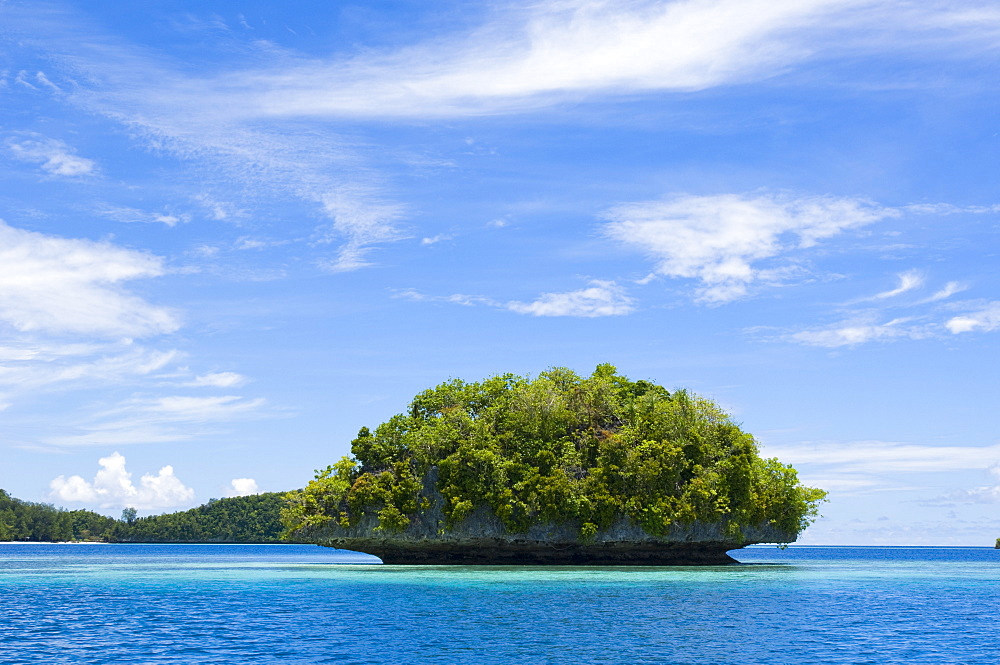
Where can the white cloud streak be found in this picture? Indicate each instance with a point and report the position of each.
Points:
(862, 330)
(984, 319)
(861, 466)
(543, 53)
(160, 420)
(719, 239)
(909, 280)
(601, 298)
(529, 56)
(219, 380)
(53, 156)
(65, 286)
(112, 487)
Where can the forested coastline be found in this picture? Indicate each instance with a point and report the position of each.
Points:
(244, 519)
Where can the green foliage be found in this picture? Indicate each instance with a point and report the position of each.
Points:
(41, 522)
(241, 519)
(558, 448)
(245, 519)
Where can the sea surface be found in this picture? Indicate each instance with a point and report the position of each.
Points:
(126, 603)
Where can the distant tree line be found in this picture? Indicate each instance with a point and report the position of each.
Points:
(241, 519)
(244, 519)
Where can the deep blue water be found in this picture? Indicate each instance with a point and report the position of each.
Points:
(305, 604)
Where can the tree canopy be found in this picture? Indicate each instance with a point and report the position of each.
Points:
(243, 519)
(558, 448)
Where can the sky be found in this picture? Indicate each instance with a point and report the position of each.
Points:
(232, 233)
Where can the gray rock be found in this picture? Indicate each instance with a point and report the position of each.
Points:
(482, 539)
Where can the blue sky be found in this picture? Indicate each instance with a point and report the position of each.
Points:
(233, 233)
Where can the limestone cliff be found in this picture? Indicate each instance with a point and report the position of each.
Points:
(482, 539)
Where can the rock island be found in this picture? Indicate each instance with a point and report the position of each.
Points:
(558, 469)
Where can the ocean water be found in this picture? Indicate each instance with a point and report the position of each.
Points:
(62, 603)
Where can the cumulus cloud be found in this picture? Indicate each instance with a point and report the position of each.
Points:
(601, 298)
(112, 487)
(52, 155)
(719, 240)
(242, 487)
(984, 319)
(59, 285)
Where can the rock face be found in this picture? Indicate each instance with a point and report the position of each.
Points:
(482, 539)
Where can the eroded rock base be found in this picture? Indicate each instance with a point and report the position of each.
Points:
(534, 554)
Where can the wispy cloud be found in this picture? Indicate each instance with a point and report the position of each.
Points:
(985, 318)
(53, 156)
(601, 298)
(720, 240)
(543, 53)
(245, 122)
(32, 365)
(862, 329)
(945, 292)
(981, 494)
(143, 420)
(219, 380)
(134, 215)
(909, 280)
(112, 487)
(58, 285)
(870, 465)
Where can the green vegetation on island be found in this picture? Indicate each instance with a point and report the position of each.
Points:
(556, 449)
(24, 520)
(243, 519)
(240, 519)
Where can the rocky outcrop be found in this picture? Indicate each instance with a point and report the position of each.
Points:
(482, 539)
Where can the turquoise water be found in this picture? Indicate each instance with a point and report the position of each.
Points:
(304, 604)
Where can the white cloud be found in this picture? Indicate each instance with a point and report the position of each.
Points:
(983, 494)
(887, 457)
(860, 331)
(159, 420)
(947, 291)
(242, 487)
(601, 298)
(220, 380)
(718, 240)
(133, 215)
(54, 156)
(58, 285)
(32, 365)
(909, 280)
(112, 487)
(858, 466)
(985, 319)
(244, 123)
(538, 54)
(433, 240)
